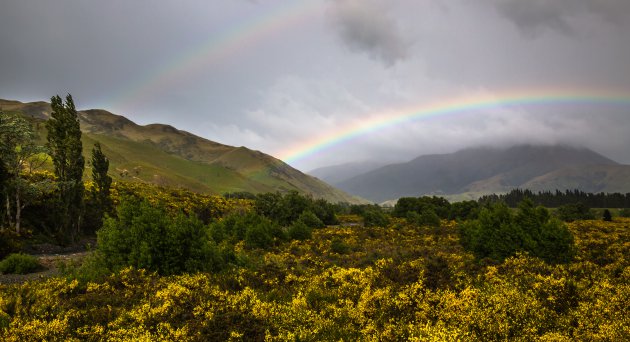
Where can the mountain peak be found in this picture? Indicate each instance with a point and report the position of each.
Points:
(479, 169)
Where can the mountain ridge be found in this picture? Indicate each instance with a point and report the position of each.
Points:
(479, 170)
(165, 155)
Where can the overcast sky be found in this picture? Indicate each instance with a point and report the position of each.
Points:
(276, 75)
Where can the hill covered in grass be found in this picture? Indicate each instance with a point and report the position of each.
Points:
(163, 155)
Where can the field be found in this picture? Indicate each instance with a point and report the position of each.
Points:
(347, 282)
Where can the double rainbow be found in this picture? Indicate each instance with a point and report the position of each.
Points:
(290, 14)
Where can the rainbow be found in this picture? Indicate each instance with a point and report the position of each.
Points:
(451, 106)
(217, 48)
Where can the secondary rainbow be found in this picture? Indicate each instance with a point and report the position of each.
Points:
(459, 105)
(219, 47)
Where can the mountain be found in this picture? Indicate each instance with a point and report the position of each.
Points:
(164, 155)
(490, 170)
(337, 174)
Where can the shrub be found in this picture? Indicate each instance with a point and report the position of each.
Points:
(573, 212)
(427, 217)
(300, 231)
(607, 216)
(466, 210)
(311, 220)
(374, 217)
(258, 235)
(18, 263)
(9, 242)
(144, 236)
(625, 212)
(337, 245)
(498, 234)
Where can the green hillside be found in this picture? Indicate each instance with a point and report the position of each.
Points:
(164, 155)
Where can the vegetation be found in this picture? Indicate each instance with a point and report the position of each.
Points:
(171, 264)
(499, 233)
(607, 216)
(554, 199)
(574, 211)
(18, 263)
(100, 201)
(20, 157)
(389, 283)
(66, 151)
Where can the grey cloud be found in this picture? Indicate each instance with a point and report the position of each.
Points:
(365, 26)
(534, 16)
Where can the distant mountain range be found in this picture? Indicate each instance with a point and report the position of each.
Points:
(474, 172)
(337, 174)
(164, 155)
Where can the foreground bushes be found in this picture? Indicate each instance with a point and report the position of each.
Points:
(145, 236)
(392, 283)
(19, 264)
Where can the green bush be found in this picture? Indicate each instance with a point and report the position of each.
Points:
(499, 233)
(440, 206)
(9, 242)
(144, 236)
(607, 216)
(337, 245)
(573, 212)
(374, 217)
(299, 231)
(625, 212)
(466, 210)
(18, 263)
(427, 217)
(311, 220)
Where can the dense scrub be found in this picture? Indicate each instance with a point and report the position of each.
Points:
(399, 282)
(19, 264)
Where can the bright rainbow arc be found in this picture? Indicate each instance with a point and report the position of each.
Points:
(382, 120)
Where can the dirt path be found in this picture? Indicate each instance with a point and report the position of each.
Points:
(49, 261)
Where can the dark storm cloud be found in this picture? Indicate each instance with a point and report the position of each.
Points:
(365, 25)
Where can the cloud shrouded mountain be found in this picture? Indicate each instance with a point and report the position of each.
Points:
(491, 170)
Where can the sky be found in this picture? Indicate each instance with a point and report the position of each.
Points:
(299, 79)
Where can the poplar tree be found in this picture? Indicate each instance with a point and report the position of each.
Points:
(64, 144)
(102, 184)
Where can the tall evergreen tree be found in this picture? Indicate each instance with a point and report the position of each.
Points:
(102, 184)
(64, 143)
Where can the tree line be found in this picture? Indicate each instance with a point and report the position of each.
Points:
(554, 199)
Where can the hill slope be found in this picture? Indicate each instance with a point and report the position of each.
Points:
(479, 170)
(337, 174)
(164, 155)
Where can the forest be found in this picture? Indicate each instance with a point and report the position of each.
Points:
(171, 264)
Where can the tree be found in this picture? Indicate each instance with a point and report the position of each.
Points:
(607, 216)
(4, 180)
(20, 157)
(499, 234)
(100, 198)
(64, 143)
